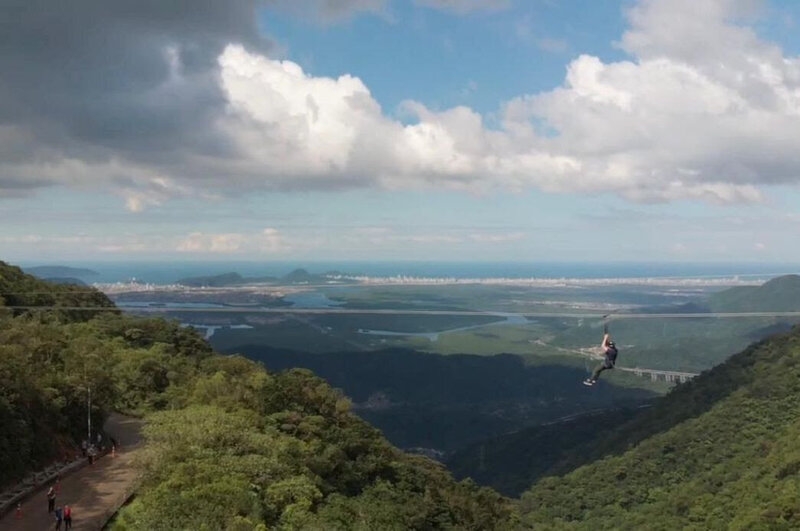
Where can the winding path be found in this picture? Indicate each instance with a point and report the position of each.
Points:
(94, 492)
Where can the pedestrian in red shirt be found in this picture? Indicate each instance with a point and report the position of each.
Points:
(67, 517)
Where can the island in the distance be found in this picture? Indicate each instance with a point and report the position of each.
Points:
(60, 272)
(298, 276)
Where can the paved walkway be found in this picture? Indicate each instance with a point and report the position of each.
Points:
(94, 492)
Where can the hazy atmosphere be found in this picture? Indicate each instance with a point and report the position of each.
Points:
(379, 129)
(399, 264)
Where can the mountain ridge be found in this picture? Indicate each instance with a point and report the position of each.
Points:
(716, 451)
(780, 294)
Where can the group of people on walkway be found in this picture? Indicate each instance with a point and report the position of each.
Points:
(90, 450)
(61, 514)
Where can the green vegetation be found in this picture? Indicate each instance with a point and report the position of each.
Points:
(781, 294)
(46, 272)
(448, 402)
(511, 463)
(230, 446)
(298, 276)
(20, 292)
(286, 452)
(690, 345)
(717, 452)
(49, 359)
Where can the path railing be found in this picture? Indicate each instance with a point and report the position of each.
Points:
(34, 481)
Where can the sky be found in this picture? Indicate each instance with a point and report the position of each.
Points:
(435, 130)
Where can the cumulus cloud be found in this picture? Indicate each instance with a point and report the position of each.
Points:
(269, 240)
(308, 131)
(705, 110)
(182, 98)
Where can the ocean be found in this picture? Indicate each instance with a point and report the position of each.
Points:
(167, 272)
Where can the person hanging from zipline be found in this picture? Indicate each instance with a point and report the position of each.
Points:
(609, 358)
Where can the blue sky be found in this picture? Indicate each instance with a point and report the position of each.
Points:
(660, 130)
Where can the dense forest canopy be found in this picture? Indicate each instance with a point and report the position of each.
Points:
(229, 446)
(233, 446)
(718, 452)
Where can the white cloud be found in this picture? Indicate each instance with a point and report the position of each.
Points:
(298, 130)
(677, 121)
(270, 240)
(198, 242)
(496, 237)
(679, 248)
(465, 6)
(152, 191)
(703, 109)
(267, 241)
(552, 45)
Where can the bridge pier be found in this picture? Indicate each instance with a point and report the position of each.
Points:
(655, 374)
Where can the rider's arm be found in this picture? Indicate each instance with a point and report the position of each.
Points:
(605, 341)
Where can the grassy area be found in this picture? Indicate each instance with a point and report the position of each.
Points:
(690, 344)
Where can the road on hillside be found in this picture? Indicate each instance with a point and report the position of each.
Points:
(95, 492)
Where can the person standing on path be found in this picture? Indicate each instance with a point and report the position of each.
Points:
(51, 498)
(59, 517)
(67, 517)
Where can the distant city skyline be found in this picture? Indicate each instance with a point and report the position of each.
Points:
(458, 130)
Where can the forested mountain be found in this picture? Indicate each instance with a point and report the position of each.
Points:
(20, 292)
(230, 446)
(447, 402)
(57, 271)
(781, 294)
(511, 463)
(719, 452)
(66, 280)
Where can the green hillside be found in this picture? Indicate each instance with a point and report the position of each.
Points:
(233, 446)
(448, 402)
(45, 272)
(229, 445)
(20, 293)
(719, 452)
(512, 462)
(781, 294)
